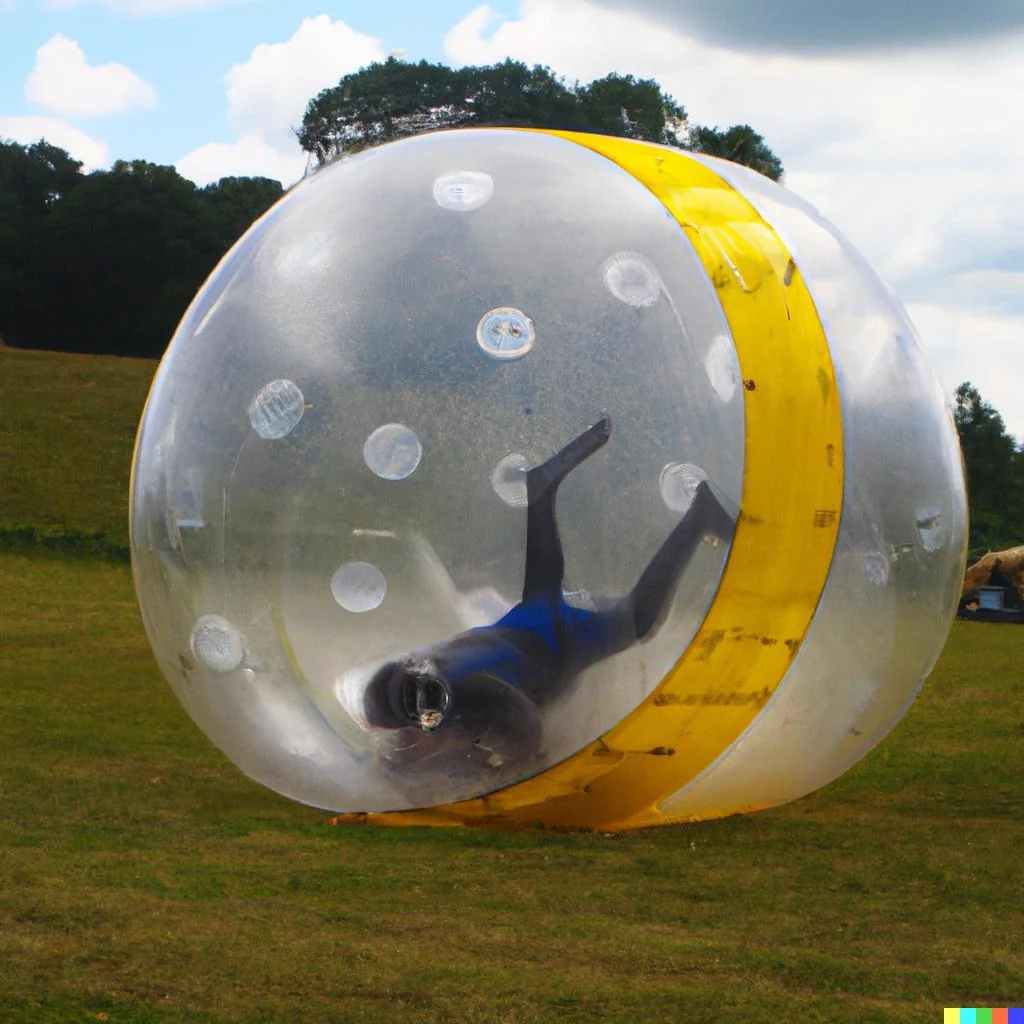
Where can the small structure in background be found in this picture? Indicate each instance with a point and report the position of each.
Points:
(994, 588)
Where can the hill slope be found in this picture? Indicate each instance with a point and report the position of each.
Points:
(67, 428)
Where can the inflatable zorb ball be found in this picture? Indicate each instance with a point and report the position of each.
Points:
(517, 477)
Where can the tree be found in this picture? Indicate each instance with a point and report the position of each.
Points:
(385, 101)
(621, 105)
(512, 93)
(36, 176)
(231, 205)
(379, 103)
(120, 260)
(740, 144)
(33, 179)
(995, 474)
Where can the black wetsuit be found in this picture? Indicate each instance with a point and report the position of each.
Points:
(484, 687)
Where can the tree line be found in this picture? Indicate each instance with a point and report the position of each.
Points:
(107, 262)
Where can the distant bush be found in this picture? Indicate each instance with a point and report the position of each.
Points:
(69, 543)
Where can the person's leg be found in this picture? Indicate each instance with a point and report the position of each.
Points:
(593, 636)
(654, 590)
(545, 561)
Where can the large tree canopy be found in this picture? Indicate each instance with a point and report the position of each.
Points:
(385, 101)
(388, 100)
(125, 252)
(381, 103)
(622, 105)
(33, 181)
(107, 262)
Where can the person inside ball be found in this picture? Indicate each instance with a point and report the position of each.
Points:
(476, 698)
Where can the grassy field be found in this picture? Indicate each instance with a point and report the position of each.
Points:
(67, 427)
(144, 879)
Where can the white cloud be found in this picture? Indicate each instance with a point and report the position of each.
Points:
(271, 89)
(571, 36)
(467, 42)
(267, 96)
(65, 83)
(986, 349)
(26, 130)
(141, 7)
(908, 151)
(250, 156)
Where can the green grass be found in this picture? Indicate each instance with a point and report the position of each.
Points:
(144, 879)
(67, 428)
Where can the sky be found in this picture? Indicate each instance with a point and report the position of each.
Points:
(898, 119)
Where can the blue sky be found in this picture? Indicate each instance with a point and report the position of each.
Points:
(895, 119)
(184, 56)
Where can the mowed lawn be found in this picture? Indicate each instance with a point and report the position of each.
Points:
(144, 879)
(67, 428)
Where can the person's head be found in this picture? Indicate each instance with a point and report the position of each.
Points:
(407, 692)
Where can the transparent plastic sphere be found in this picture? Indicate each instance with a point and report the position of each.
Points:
(340, 432)
(347, 547)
